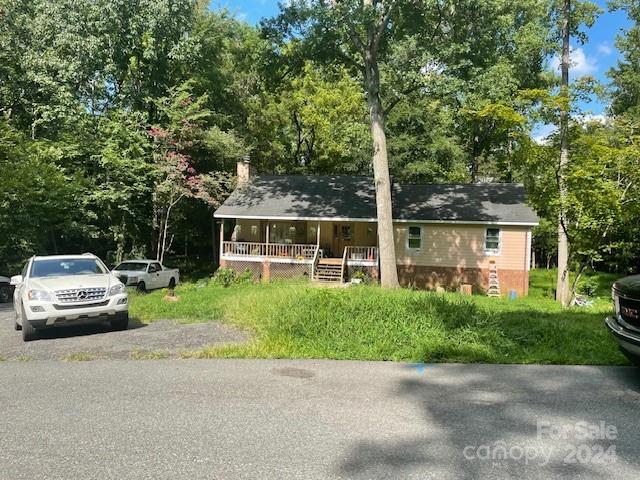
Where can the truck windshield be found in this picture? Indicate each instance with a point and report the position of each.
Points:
(66, 266)
(131, 267)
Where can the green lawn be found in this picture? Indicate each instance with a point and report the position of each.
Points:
(298, 320)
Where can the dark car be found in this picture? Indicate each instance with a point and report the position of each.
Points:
(625, 324)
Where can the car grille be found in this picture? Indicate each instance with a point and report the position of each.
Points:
(83, 305)
(80, 295)
(630, 311)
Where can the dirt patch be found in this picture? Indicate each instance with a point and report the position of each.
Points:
(141, 341)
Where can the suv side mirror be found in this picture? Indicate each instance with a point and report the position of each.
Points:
(152, 269)
(16, 280)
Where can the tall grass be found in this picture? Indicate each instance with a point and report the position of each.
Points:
(298, 320)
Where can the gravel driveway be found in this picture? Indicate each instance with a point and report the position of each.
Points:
(165, 338)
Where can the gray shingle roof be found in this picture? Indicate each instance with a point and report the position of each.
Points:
(352, 197)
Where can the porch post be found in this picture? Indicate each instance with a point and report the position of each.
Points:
(318, 234)
(266, 248)
(222, 262)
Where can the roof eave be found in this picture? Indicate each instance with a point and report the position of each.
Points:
(374, 220)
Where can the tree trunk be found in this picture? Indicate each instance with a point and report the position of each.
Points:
(165, 229)
(386, 243)
(475, 153)
(562, 289)
(120, 241)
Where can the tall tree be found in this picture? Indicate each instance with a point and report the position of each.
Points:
(571, 16)
(181, 144)
(562, 284)
(362, 34)
(379, 14)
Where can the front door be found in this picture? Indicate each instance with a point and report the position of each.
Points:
(342, 237)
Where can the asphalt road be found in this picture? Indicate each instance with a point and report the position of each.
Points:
(100, 341)
(229, 419)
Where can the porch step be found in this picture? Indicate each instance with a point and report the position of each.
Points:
(328, 272)
(331, 262)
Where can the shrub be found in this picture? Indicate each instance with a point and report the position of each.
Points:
(589, 287)
(245, 277)
(224, 276)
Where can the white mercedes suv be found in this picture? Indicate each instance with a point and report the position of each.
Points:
(67, 290)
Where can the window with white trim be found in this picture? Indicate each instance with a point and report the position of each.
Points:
(414, 238)
(492, 241)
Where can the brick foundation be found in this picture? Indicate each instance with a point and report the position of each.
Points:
(409, 275)
(452, 277)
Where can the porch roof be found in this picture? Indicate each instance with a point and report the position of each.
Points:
(344, 197)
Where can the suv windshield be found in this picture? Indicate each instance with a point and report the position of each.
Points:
(66, 266)
(132, 267)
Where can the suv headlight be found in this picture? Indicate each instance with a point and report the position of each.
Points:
(40, 295)
(117, 289)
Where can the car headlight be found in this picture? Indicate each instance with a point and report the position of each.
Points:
(39, 295)
(117, 289)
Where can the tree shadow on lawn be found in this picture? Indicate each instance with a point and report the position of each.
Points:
(516, 333)
(483, 405)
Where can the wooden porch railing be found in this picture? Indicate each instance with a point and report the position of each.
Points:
(362, 254)
(274, 250)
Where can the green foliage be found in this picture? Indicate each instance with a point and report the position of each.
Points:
(361, 276)
(37, 196)
(602, 192)
(224, 277)
(588, 287)
(245, 277)
(82, 82)
(314, 124)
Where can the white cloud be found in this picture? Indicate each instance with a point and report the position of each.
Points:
(605, 49)
(591, 118)
(581, 64)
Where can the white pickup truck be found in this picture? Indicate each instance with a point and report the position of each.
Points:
(67, 290)
(146, 275)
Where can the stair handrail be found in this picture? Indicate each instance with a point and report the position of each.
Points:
(314, 264)
(344, 263)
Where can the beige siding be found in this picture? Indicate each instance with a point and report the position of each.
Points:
(365, 234)
(461, 246)
(326, 234)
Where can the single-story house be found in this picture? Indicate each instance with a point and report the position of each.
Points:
(325, 227)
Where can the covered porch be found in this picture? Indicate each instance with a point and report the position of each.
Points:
(324, 250)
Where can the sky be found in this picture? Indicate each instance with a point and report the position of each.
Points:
(595, 57)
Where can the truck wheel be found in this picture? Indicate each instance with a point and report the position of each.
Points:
(120, 322)
(28, 332)
(172, 284)
(142, 288)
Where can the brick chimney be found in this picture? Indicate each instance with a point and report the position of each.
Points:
(244, 170)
